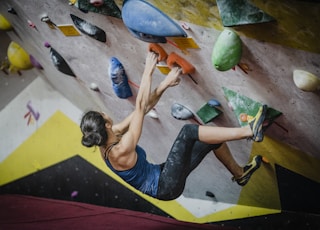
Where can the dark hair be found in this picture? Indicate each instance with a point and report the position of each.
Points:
(93, 129)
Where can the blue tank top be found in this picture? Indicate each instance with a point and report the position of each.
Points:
(144, 176)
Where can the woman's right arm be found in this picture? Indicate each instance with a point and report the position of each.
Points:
(130, 139)
(170, 81)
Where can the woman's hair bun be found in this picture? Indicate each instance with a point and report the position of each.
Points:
(93, 129)
(91, 140)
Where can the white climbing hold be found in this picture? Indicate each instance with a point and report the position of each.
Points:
(306, 81)
(94, 86)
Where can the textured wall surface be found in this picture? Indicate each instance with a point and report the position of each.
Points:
(271, 51)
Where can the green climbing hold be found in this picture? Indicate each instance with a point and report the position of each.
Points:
(241, 104)
(227, 50)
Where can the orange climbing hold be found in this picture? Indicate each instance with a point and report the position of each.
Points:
(243, 117)
(162, 54)
(265, 160)
(175, 59)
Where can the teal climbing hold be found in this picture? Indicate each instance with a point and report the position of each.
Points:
(241, 12)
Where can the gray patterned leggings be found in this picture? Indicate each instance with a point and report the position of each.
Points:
(185, 155)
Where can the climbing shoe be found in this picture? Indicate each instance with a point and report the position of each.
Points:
(248, 170)
(257, 122)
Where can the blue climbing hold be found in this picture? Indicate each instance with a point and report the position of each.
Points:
(119, 79)
(213, 102)
(146, 22)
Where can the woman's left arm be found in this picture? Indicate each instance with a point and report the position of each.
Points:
(170, 81)
(130, 139)
(143, 94)
(123, 126)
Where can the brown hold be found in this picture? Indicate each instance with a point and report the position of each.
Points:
(162, 54)
(265, 160)
(175, 59)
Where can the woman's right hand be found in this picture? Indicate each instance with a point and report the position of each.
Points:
(173, 78)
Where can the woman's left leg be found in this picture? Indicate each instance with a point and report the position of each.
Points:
(186, 154)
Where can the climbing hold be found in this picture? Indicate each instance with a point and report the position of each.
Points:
(96, 3)
(227, 50)
(213, 102)
(207, 113)
(31, 24)
(210, 194)
(162, 54)
(181, 112)
(185, 26)
(18, 57)
(4, 23)
(89, 29)
(105, 7)
(47, 20)
(12, 11)
(306, 81)
(153, 114)
(119, 79)
(175, 59)
(94, 87)
(59, 61)
(241, 12)
(242, 104)
(187, 68)
(265, 160)
(35, 63)
(147, 37)
(47, 45)
(244, 67)
(148, 23)
(72, 2)
(243, 117)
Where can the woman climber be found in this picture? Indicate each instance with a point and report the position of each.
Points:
(119, 147)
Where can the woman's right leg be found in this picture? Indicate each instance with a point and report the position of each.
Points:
(179, 163)
(214, 135)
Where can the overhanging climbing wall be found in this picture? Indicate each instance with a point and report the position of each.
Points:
(270, 54)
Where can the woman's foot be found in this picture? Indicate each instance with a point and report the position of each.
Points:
(256, 124)
(248, 170)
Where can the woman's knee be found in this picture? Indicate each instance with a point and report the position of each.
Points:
(190, 130)
(170, 193)
(169, 196)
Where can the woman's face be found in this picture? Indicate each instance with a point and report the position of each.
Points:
(96, 3)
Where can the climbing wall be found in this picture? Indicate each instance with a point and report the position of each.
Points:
(270, 53)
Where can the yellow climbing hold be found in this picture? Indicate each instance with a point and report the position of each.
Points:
(18, 57)
(4, 23)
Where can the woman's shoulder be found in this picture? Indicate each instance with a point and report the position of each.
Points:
(121, 158)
